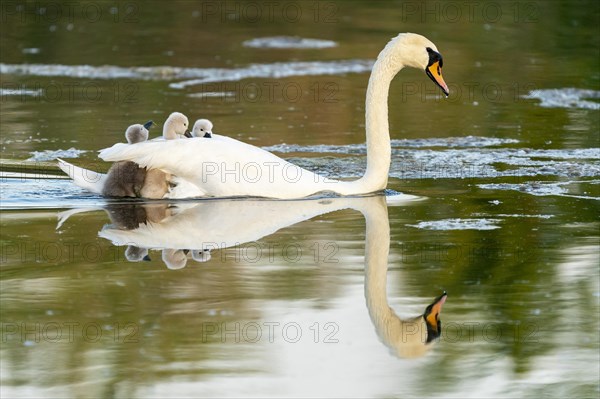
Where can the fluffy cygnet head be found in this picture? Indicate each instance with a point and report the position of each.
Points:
(202, 128)
(136, 254)
(201, 255)
(175, 126)
(175, 259)
(136, 134)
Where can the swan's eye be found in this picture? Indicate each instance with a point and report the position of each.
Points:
(201, 130)
(434, 57)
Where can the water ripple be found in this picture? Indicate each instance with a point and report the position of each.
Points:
(50, 155)
(451, 162)
(288, 42)
(541, 189)
(20, 92)
(566, 98)
(192, 76)
(450, 142)
(458, 224)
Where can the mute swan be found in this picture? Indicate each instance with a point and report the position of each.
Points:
(175, 259)
(136, 254)
(202, 128)
(157, 183)
(138, 133)
(127, 179)
(225, 167)
(176, 126)
(124, 179)
(182, 188)
(201, 255)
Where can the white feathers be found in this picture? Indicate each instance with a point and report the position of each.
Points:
(211, 165)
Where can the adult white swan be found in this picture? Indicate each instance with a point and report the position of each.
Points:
(223, 166)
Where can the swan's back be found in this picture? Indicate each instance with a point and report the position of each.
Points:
(222, 166)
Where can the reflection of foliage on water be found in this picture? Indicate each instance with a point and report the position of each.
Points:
(509, 276)
(161, 315)
(471, 47)
(151, 317)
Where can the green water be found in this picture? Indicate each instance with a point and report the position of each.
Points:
(283, 306)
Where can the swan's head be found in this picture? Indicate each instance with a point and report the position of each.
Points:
(136, 254)
(202, 128)
(176, 125)
(136, 134)
(175, 259)
(432, 318)
(411, 49)
(201, 255)
(408, 338)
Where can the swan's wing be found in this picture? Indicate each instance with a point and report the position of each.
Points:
(222, 166)
(182, 188)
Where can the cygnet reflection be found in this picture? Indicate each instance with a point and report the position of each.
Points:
(180, 232)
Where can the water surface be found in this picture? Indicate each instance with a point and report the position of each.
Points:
(284, 298)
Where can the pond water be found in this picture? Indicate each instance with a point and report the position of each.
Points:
(255, 298)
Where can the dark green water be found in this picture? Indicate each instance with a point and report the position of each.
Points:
(506, 221)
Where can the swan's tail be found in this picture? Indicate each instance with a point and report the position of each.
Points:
(84, 178)
(65, 215)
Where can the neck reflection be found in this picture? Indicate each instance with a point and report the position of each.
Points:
(191, 230)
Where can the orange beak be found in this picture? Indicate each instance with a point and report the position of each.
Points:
(434, 71)
(436, 308)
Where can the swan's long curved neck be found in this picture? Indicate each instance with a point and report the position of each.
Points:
(379, 152)
(377, 127)
(404, 337)
(377, 241)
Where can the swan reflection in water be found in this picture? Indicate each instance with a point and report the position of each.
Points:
(191, 229)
